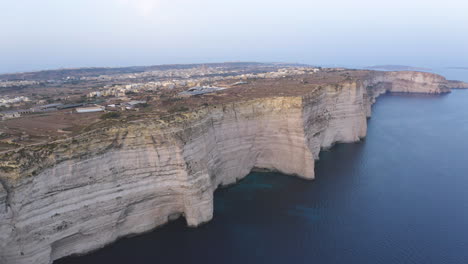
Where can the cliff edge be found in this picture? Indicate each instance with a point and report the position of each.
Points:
(76, 195)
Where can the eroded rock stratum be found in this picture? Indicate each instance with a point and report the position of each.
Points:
(76, 195)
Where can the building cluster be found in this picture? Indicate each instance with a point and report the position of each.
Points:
(4, 115)
(280, 73)
(193, 82)
(123, 90)
(197, 90)
(195, 73)
(191, 79)
(78, 108)
(166, 74)
(7, 102)
(131, 105)
(6, 84)
(36, 109)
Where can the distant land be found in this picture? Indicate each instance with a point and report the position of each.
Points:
(397, 68)
(57, 74)
(458, 68)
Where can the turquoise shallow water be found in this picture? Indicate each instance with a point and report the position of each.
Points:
(400, 196)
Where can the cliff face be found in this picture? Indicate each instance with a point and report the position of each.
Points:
(403, 82)
(74, 196)
(457, 85)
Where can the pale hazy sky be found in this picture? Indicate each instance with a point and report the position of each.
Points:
(44, 34)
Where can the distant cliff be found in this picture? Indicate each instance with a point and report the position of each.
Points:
(76, 195)
(457, 85)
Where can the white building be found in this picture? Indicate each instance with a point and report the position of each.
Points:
(90, 109)
(95, 94)
(9, 114)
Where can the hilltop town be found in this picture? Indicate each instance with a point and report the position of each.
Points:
(48, 105)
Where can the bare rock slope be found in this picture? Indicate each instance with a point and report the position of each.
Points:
(73, 196)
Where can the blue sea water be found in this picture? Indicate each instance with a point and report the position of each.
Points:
(399, 196)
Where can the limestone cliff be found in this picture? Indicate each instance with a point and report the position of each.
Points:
(76, 195)
(457, 85)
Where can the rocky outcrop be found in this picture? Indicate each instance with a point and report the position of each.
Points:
(73, 196)
(457, 85)
(403, 82)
